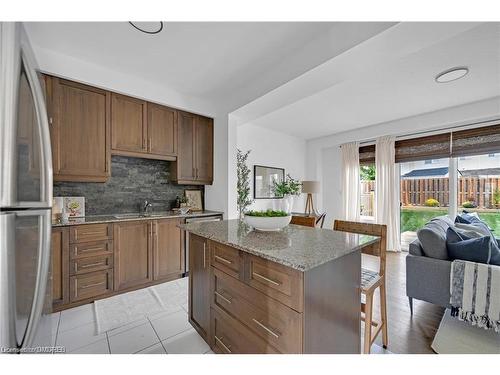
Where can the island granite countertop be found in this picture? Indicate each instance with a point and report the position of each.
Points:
(99, 219)
(295, 246)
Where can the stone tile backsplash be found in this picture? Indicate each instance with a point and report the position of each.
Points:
(132, 181)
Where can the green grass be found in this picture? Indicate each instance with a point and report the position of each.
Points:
(412, 219)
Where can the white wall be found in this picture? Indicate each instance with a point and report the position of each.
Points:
(274, 149)
(324, 158)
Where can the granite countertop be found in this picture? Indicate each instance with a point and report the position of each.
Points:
(295, 246)
(98, 219)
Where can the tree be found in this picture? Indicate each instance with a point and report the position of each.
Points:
(367, 172)
(243, 183)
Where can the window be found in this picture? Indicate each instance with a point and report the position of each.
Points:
(478, 189)
(424, 195)
(367, 191)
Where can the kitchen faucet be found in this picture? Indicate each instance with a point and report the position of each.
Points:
(146, 206)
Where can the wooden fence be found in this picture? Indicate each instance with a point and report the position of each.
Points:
(478, 190)
(417, 191)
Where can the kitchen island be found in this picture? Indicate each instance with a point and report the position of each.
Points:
(292, 291)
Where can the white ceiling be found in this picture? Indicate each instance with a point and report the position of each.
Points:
(216, 61)
(364, 86)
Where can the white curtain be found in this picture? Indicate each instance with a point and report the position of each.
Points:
(387, 190)
(350, 181)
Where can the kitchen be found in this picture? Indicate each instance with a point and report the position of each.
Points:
(125, 179)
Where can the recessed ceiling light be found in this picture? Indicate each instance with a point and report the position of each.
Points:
(148, 27)
(452, 74)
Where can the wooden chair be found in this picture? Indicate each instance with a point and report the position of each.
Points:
(371, 280)
(307, 221)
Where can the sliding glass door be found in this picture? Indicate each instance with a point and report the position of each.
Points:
(424, 194)
(436, 187)
(478, 187)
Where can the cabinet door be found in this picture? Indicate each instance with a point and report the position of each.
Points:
(60, 266)
(168, 249)
(129, 131)
(80, 132)
(162, 130)
(204, 141)
(185, 170)
(133, 254)
(199, 280)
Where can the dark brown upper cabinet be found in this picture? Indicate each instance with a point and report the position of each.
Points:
(129, 129)
(162, 131)
(142, 129)
(80, 131)
(195, 150)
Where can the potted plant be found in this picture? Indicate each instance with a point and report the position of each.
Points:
(243, 183)
(287, 189)
(268, 220)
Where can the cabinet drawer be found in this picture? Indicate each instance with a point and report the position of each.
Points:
(90, 232)
(90, 285)
(226, 259)
(231, 337)
(90, 264)
(276, 323)
(88, 249)
(275, 280)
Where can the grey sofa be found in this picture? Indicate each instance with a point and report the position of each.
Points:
(427, 265)
(427, 279)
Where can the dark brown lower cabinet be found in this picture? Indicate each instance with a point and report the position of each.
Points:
(89, 285)
(133, 253)
(199, 281)
(168, 249)
(93, 261)
(60, 266)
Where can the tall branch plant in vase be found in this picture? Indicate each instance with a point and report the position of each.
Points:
(287, 190)
(243, 183)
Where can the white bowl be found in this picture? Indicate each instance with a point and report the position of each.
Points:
(268, 223)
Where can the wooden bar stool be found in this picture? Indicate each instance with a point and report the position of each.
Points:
(307, 221)
(371, 280)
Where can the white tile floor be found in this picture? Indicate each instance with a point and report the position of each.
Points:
(168, 332)
(158, 333)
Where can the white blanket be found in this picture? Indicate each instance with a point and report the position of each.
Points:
(475, 293)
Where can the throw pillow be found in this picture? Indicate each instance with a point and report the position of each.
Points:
(454, 235)
(473, 250)
(432, 238)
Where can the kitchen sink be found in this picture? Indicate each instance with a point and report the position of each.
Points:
(135, 215)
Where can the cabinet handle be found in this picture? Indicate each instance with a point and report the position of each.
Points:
(226, 347)
(91, 265)
(194, 172)
(90, 249)
(91, 285)
(204, 254)
(221, 296)
(268, 330)
(277, 283)
(227, 261)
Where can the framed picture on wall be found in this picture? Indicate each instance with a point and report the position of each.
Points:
(194, 199)
(263, 181)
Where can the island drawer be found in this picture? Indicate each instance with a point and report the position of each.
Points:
(232, 337)
(226, 259)
(282, 283)
(276, 323)
(90, 264)
(90, 285)
(90, 232)
(87, 249)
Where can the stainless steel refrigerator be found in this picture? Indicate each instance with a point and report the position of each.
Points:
(25, 199)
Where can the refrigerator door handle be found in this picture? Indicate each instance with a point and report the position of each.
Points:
(43, 130)
(43, 266)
